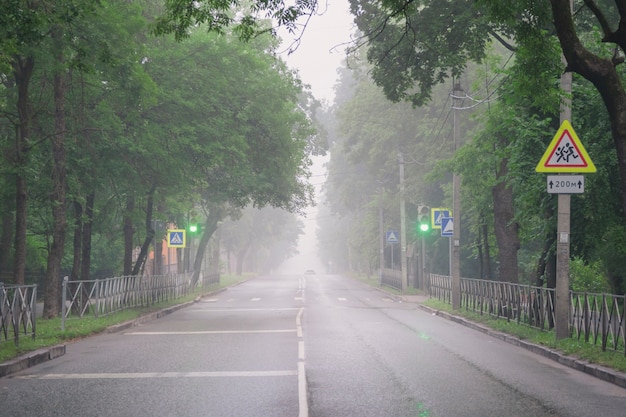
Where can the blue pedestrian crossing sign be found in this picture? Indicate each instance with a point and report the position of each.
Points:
(392, 236)
(447, 227)
(437, 214)
(176, 238)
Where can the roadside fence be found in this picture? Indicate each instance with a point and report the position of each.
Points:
(391, 278)
(17, 311)
(105, 296)
(594, 318)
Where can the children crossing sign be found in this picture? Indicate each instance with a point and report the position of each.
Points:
(565, 153)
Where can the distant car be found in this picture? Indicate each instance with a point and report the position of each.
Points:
(309, 272)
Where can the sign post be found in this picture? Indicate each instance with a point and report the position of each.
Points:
(565, 154)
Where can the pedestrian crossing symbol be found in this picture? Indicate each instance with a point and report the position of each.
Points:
(176, 238)
(437, 214)
(565, 153)
(447, 227)
(392, 237)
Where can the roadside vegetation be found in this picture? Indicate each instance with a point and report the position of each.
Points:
(49, 331)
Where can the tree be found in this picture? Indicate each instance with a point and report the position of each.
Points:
(599, 68)
(255, 236)
(233, 111)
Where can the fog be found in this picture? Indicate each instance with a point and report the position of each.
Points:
(307, 257)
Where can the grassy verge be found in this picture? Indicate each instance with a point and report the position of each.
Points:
(49, 331)
(571, 347)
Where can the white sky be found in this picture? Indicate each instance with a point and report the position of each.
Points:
(322, 47)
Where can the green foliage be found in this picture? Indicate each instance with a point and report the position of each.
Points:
(611, 250)
(211, 119)
(587, 277)
(417, 45)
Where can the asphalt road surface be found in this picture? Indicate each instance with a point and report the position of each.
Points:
(300, 346)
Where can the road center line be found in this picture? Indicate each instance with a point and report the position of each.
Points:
(144, 375)
(211, 332)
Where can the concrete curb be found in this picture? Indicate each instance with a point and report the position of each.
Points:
(46, 354)
(606, 374)
(31, 359)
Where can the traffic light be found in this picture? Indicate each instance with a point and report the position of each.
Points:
(423, 219)
(193, 228)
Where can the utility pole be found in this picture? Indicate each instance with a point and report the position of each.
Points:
(562, 303)
(381, 239)
(403, 266)
(456, 208)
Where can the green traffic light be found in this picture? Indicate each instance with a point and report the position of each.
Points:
(193, 228)
(424, 227)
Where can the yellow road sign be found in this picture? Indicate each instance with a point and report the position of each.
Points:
(177, 238)
(565, 153)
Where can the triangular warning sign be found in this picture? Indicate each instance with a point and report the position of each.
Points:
(565, 153)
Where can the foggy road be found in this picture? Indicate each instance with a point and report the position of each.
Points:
(303, 345)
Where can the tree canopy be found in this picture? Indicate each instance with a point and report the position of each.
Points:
(132, 132)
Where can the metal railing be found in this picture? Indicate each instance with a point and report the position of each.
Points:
(594, 318)
(391, 278)
(17, 311)
(110, 295)
(599, 319)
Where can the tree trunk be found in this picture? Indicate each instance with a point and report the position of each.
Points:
(6, 237)
(505, 227)
(214, 260)
(52, 299)
(486, 252)
(241, 256)
(85, 264)
(210, 225)
(22, 71)
(77, 241)
(602, 73)
(128, 235)
(143, 254)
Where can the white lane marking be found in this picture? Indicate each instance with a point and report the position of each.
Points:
(301, 350)
(299, 321)
(143, 375)
(342, 299)
(302, 399)
(211, 332)
(303, 405)
(255, 299)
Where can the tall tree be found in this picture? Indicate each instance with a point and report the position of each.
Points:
(600, 68)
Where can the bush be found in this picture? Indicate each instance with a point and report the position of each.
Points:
(587, 277)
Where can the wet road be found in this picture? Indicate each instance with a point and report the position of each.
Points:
(314, 345)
